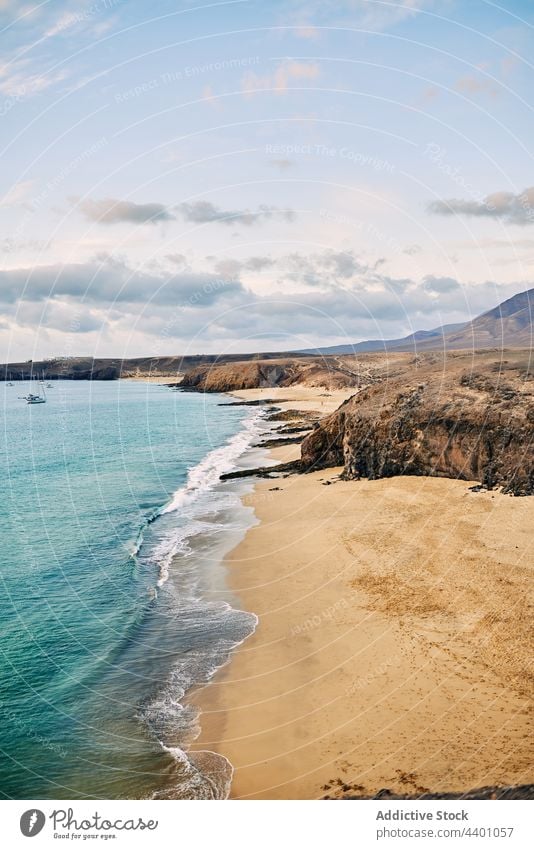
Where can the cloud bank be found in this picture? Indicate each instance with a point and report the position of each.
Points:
(178, 310)
(115, 211)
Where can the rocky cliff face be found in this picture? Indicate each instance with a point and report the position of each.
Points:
(255, 374)
(459, 416)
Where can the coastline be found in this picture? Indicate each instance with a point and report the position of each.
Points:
(192, 584)
(392, 644)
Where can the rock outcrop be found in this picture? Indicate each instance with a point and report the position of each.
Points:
(466, 416)
(256, 374)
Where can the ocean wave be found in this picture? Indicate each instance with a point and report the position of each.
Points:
(201, 495)
(199, 775)
(215, 631)
(174, 542)
(206, 474)
(209, 631)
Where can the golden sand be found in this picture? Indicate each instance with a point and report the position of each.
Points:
(393, 643)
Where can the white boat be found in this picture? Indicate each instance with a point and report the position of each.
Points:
(31, 398)
(34, 399)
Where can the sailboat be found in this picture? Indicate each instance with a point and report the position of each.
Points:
(31, 398)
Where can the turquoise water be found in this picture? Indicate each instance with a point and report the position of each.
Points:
(114, 524)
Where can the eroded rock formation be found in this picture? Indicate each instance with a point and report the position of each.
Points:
(460, 416)
(255, 374)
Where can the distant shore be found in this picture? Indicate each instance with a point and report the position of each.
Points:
(393, 644)
(160, 379)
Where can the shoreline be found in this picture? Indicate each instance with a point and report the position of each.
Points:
(390, 648)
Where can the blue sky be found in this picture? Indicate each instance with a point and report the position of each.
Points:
(190, 177)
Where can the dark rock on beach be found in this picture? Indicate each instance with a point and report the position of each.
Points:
(276, 443)
(258, 402)
(300, 428)
(293, 415)
(264, 471)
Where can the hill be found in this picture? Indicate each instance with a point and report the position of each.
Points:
(508, 325)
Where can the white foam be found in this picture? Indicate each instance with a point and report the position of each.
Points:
(202, 775)
(200, 495)
(199, 775)
(175, 542)
(206, 474)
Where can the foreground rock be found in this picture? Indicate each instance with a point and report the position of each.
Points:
(461, 415)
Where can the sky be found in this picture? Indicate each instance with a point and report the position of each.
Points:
(192, 177)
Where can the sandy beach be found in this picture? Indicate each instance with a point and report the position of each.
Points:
(394, 639)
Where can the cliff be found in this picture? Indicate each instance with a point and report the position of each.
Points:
(95, 368)
(329, 373)
(467, 416)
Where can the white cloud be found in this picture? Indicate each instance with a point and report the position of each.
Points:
(513, 208)
(280, 80)
(20, 78)
(205, 212)
(368, 14)
(17, 194)
(476, 85)
(113, 211)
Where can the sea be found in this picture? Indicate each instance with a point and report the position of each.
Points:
(113, 603)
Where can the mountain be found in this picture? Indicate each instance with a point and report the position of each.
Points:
(509, 325)
(406, 343)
